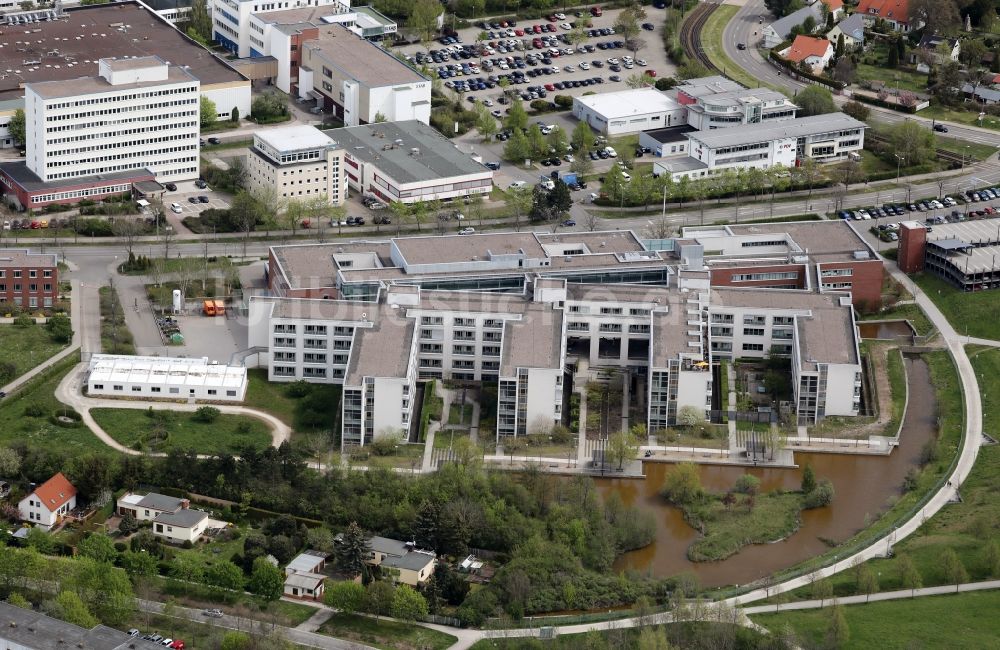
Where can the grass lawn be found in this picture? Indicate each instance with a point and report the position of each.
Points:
(960, 117)
(386, 634)
(200, 596)
(897, 384)
(458, 414)
(25, 347)
(115, 335)
(910, 312)
(971, 150)
(956, 621)
(17, 425)
(725, 530)
(962, 527)
(911, 81)
(270, 397)
(168, 430)
(408, 456)
(678, 635)
(711, 41)
(445, 438)
(973, 313)
(177, 264)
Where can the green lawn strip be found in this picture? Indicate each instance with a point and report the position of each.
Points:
(26, 347)
(679, 635)
(269, 397)
(952, 621)
(897, 384)
(910, 312)
(177, 264)
(970, 118)
(958, 526)
(38, 396)
(445, 438)
(167, 430)
(711, 42)
(386, 634)
(459, 414)
(194, 634)
(972, 313)
(725, 530)
(115, 335)
(972, 151)
(893, 78)
(201, 596)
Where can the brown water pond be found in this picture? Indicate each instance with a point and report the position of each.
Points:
(863, 486)
(890, 329)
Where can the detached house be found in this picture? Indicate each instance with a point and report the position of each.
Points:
(853, 29)
(49, 503)
(936, 49)
(303, 579)
(894, 12)
(401, 561)
(813, 52)
(173, 520)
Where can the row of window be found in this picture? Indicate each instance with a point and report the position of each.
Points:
(159, 167)
(74, 117)
(157, 389)
(32, 273)
(33, 288)
(756, 277)
(119, 144)
(32, 301)
(150, 123)
(122, 98)
(76, 194)
(126, 156)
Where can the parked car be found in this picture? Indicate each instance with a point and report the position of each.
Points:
(200, 184)
(176, 208)
(382, 221)
(940, 128)
(171, 187)
(214, 141)
(192, 199)
(202, 199)
(467, 231)
(569, 223)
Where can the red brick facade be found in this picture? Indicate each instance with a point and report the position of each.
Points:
(912, 242)
(28, 280)
(729, 276)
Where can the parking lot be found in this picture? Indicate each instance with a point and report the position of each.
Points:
(954, 208)
(537, 53)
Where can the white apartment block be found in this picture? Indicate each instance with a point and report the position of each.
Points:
(231, 21)
(297, 163)
(739, 107)
(136, 114)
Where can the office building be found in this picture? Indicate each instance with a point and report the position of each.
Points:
(823, 138)
(408, 162)
(297, 163)
(231, 21)
(628, 111)
(518, 308)
(28, 280)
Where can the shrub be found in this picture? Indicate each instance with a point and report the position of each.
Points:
(539, 105)
(563, 101)
(385, 446)
(23, 321)
(821, 496)
(207, 414)
(297, 389)
(747, 484)
(34, 410)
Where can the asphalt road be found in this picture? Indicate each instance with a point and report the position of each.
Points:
(745, 27)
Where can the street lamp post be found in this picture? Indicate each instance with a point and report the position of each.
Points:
(899, 159)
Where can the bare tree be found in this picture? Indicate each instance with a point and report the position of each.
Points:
(592, 221)
(661, 228)
(128, 231)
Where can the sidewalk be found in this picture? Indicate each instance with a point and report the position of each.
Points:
(874, 598)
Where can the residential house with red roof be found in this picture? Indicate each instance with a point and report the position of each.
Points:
(49, 503)
(813, 52)
(894, 12)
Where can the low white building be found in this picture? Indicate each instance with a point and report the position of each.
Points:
(297, 163)
(185, 525)
(629, 111)
(824, 138)
(169, 378)
(408, 162)
(147, 507)
(49, 503)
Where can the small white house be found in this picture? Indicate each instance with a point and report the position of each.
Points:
(172, 378)
(812, 52)
(185, 525)
(304, 586)
(49, 503)
(147, 507)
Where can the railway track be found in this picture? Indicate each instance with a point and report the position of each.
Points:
(691, 34)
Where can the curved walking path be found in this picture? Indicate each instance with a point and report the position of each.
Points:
(968, 452)
(70, 392)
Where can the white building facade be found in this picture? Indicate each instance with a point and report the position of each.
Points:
(169, 378)
(628, 111)
(297, 163)
(231, 21)
(137, 114)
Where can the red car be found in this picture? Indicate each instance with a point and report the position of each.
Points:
(550, 28)
(518, 32)
(651, 73)
(537, 29)
(552, 19)
(549, 87)
(595, 11)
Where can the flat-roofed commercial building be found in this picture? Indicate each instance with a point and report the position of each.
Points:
(231, 21)
(297, 163)
(361, 82)
(515, 308)
(28, 280)
(628, 111)
(66, 44)
(170, 378)
(408, 162)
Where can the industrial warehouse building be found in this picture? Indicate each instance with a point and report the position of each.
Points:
(628, 111)
(169, 378)
(518, 308)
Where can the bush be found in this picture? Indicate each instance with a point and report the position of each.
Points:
(539, 105)
(563, 101)
(34, 410)
(298, 389)
(747, 484)
(207, 414)
(23, 321)
(665, 83)
(93, 227)
(821, 496)
(385, 446)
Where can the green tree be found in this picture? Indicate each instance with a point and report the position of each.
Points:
(857, 110)
(689, 415)
(841, 47)
(10, 462)
(519, 201)
(208, 113)
(236, 641)
(68, 607)
(187, 567)
(423, 18)
(815, 100)
(517, 118)
(622, 446)
(139, 564)
(954, 570)
(517, 149)
(653, 638)
(913, 142)
(583, 138)
(347, 596)
(352, 550)
(269, 105)
(582, 165)
(107, 591)
(537, 144)
(266, 580)
(821, 496)
(98, 547)
(486, 124)
(408, 605)
(378, 598)
(682, 484)
(867, 581)
(909, 574)
(614, 184)
(226, 575)
(837, 630)
(17, 126)
(60, 328)
(558, 140)
(201, 20)
(808, 479)
(991, 558)
(747, 484)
